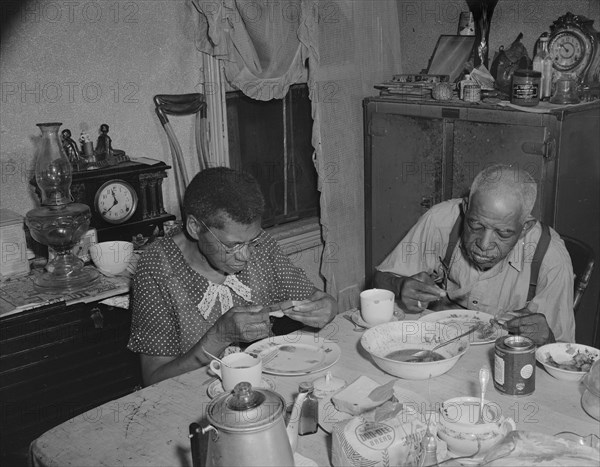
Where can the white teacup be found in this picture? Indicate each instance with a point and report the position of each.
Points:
(238, 367)
(376, 306)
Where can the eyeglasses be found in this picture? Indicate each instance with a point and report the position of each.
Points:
(232, 250)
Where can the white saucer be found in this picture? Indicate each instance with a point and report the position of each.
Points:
(216, 387)
(358, 320)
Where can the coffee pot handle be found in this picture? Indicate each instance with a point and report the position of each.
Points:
(198, 444)
(195, 434)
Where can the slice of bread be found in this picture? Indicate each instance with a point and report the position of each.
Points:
(354, 398)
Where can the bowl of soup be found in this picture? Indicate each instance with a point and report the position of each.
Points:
(393, 346)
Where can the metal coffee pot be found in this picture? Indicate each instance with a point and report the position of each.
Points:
(247, 428)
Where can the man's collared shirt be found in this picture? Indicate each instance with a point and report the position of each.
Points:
(500, 289)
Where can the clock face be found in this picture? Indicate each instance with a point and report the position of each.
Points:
(567, 49)
(115, 201)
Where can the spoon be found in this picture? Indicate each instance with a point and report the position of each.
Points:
(484, 377)
(215, 358)
(423, 353)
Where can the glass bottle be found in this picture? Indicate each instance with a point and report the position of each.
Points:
(309, 413)
(542, 62)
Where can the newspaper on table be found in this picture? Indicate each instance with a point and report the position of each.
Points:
(20, 294)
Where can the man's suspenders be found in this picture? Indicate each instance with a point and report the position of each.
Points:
(536, 262)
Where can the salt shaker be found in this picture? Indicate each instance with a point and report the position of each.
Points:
(309, 412)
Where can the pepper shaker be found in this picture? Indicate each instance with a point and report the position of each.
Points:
(309, 412)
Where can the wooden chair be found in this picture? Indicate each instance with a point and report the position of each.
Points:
(582, 258)
(182, 105)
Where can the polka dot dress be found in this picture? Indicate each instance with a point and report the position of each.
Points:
(167, 291)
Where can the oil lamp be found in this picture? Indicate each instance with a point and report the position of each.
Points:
(58, 223)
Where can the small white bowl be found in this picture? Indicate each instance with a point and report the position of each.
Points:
(112, 257)
(459, 428)
(562, 352)
(383, 339)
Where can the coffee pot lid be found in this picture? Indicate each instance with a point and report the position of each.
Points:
(244, 408)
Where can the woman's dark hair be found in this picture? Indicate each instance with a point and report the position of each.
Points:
(221, 190)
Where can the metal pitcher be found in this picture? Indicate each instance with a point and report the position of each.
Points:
(247, 428)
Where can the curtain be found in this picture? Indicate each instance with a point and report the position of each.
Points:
(257, 40)
(345, 46)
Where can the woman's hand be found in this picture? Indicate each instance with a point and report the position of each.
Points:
(242, 324)
(317, 311)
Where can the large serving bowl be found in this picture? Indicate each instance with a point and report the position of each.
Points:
(112, 257)
(458, 426)
(566, 354)
(382, 340)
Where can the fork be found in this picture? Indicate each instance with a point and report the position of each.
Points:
(442, 282)
(269, 357)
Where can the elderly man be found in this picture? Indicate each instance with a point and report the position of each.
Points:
(496, 257)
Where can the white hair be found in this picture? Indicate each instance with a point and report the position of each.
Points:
(507, 180)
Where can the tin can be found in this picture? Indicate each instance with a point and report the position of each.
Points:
(471, 92)
(526, 88)
(514, 365)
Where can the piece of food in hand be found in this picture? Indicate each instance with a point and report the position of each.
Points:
(354, 398)
(277, 309)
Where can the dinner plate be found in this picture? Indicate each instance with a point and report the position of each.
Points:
(216, 387)
(298, 354)
(462, 320)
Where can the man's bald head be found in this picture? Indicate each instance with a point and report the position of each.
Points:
(507, 182)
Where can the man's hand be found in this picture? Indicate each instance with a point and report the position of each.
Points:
(532, 325)
(243, 324)
(317, 311)
(416, 292)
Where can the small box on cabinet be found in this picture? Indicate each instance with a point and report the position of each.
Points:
(13, 249)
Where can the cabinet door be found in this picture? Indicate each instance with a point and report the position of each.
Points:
(478, 145)
(402, 178)
(57, 362)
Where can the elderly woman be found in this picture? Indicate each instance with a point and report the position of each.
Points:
(214, 284)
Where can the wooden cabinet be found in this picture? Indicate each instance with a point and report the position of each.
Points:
(420, 153)
(58, 362)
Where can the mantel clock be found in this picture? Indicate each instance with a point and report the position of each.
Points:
(125, 199)
(573, 46)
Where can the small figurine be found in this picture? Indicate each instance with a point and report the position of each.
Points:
(104, 143)
(71, 150)
(104, 150)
